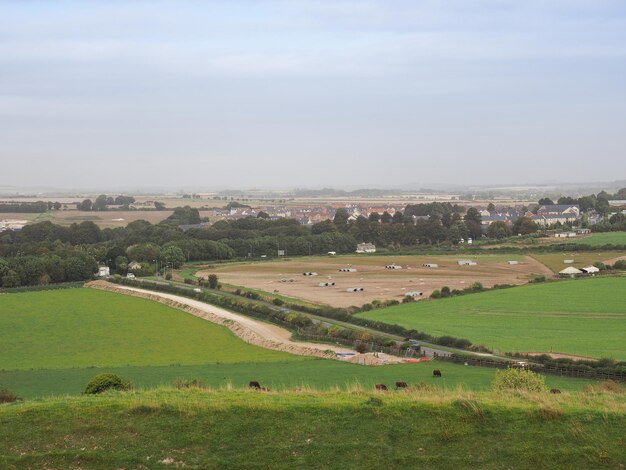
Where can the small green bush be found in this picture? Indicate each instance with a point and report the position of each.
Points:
(188, 281)
(168, 277)
(7, 396)
(278, 302)
(103, 382)
(518, 379)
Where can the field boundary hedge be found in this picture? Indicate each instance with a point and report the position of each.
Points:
(61, 285)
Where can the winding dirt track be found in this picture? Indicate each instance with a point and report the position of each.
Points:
(250, 330)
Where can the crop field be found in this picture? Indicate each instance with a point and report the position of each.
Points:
(585, 317)
(286, 276)
(600, 239)
(555, 261)
(87, 327)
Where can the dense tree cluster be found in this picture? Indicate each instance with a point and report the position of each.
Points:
(103, 201)
(29, 207)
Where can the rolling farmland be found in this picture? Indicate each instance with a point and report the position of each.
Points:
(584, 317)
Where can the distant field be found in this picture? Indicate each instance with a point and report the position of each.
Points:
(285, 276)
(554, 261)
(86, 327)
(583, 317)
(600, 239)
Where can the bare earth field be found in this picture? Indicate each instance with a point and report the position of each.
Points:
(377, 282)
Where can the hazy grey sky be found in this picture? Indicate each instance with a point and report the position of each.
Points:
(311, 93)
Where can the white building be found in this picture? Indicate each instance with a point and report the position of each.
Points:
(366, 248)
(103, 271)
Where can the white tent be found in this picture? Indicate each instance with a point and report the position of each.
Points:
(590, 270)
(570, 271)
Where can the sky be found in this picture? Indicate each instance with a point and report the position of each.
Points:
(283, 94)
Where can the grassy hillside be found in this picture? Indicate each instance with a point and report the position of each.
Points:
(245, 429)
(585, 317)
(87, 327)
(554, 261)
(318, 373)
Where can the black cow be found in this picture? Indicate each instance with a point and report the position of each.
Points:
(436, 373)
(400, 385)
(254, 384)
(381, 387)
(555, 390)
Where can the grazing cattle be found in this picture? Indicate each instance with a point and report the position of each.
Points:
(555, 390)
(381, 387)
(401, 385)
(255, 384)
(436, 373)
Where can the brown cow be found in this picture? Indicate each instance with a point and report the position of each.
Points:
(555, 390)
(381, 387)
(255, 384)
(436, 373)
(401, 385)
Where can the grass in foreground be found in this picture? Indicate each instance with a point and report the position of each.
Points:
(87, 327)
(584, 317)
(198, 428)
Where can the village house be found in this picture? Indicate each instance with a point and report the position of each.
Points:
(557, 213)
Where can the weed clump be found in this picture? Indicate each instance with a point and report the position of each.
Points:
(518, 380)
(7, 396)
(103, 382)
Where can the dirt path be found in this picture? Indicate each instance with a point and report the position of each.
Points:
(248, 329)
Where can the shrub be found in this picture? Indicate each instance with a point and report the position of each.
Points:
(609, 386)
(168, 277)
(188, 281)
(620, 264)
(518, 379)
(600, 265)
(103, 382)
(436, 294)
(7, 396)
(445, 291)
(278, 302)
(361, 348)
(213, 281)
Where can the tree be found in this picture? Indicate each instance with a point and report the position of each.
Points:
(491, 208)
(374, 217)
(498, 230)
(524, 226)
(386, 218)
(159, 206)
(85, 205)
(172, 254)
(100, 203)
(263, 215)
(341, 220)
(11, 279)
(323, 227)
(545, 201)
(213, 281)
(472, 221)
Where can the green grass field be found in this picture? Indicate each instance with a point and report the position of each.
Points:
(600, 239)
(584, 317)
(318, 373)
(87, 327)
(359, 429)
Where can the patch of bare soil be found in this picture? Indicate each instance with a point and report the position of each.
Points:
(560, 356)
(250, 330)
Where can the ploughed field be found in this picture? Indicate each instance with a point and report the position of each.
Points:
(415, 428)
(585, 317)
(54, 342)
(378, 282)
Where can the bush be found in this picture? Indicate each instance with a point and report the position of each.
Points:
(103, 382)
(7, 396)
(445, 291)
(188, 281)
(436, 294)
(168, 277)
(518, 379)
(278, 302)
(620, 264)
(361, 348)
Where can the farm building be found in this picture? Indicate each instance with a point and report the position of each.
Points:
(565, 235)
(104, 271)
(366, 248)
(570, 271)
(466, 262)
(430, 265)
(134, 265)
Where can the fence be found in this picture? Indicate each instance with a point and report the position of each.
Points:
(541, 368)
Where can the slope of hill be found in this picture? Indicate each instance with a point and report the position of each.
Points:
(419, 428)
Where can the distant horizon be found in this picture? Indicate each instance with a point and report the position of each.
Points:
(186, 94)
